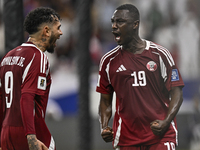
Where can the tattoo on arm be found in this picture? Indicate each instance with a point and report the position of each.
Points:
(32, 142)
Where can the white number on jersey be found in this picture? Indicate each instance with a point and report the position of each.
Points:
(9, 88)
(170, 144)
(139, 78)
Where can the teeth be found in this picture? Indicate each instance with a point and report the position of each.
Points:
(117, 38)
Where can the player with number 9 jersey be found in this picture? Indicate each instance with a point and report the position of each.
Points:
(23, 70)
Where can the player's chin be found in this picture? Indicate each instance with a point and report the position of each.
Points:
(119, 42)
(50, 50)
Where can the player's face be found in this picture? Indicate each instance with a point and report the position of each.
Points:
(55, 34)
(122, 26)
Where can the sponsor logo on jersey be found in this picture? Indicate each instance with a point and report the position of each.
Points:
(41, 83)
(121, 68)
(175, 76)
(151, 66)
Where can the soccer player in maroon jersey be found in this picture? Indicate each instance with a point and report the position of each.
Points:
(25, 83)
(148, 88)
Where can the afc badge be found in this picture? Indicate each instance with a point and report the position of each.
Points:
(151, 66)
(41, 83)
(175, 76)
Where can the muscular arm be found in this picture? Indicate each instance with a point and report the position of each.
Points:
(176, 101)
(105, 109)
(105, 113)
(159, 126)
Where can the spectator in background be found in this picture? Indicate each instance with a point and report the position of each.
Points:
(188, 42)
(155, 19)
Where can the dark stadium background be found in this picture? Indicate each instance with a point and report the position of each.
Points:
(72, 114)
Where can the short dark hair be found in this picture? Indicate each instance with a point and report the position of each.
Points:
(132, 9)
(39, 16)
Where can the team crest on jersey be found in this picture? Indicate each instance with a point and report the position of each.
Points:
(175, 76)
(41, 83)
(151, 66)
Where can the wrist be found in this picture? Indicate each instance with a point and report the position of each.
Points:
(106, 128)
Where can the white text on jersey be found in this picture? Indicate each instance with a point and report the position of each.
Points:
(13, 60)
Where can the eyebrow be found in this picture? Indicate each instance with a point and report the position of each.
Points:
(59, 26)
(117, 19)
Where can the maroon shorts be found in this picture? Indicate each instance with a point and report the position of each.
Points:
(13, 138)
(157, 146)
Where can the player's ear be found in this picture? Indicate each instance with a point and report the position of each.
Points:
(136, 24)
(46, 30)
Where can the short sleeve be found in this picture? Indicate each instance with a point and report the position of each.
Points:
(169, 70)
(103, 85)
(174, 78)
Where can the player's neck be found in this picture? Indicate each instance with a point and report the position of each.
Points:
(38, 43)
(135, 47)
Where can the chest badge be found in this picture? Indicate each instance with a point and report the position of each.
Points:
(151, 66)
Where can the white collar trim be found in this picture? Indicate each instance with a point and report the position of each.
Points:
(28, 44)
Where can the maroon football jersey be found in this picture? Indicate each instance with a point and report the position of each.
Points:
(142, 83)
(25, 69)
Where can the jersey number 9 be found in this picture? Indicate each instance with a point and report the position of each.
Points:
(9, 88)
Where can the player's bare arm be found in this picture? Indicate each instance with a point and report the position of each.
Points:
(105, 113)
(35, 144)
(158, 127)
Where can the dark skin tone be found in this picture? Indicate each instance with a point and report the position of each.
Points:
(105, 113)
(158, 127)
(125, 29)
(124, 25)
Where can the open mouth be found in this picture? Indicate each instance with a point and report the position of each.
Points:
(56, 41)
(117, 36)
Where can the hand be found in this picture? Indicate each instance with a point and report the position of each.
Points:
(107, 134)
(34, 143)
(41, 145)
(158, 127)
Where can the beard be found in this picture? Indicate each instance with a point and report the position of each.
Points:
(51, 47)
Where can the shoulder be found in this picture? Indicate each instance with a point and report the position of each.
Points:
(109, 55)
(161, 51)
(37, 56)
(32, 50)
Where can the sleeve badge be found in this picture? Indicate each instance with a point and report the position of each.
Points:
(175, 75)
(41, 83)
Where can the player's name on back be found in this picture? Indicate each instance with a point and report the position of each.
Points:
(13, 60)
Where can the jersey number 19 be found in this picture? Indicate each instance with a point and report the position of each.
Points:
(139, 78)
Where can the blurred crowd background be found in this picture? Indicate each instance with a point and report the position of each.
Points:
(174, 24)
